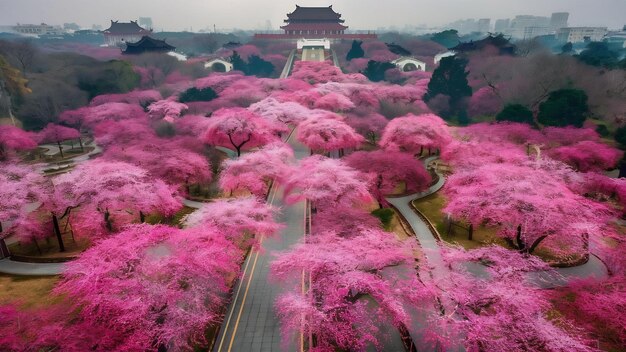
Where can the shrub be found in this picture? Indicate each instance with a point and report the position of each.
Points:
(385, 215)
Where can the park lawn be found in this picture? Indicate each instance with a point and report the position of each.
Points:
(432, 206)
(175, 220)
(29, 291)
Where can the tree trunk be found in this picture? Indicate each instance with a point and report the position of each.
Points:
(4, 250)
(37, 245)
(57, 232)
(471, 233)
(536, 243)
(80, 140)
(60, 149)
(421, 150)
(520, 243)
(107, 220)
(142, 217)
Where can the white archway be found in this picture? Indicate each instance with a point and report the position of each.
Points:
(219, 65)
(407, 64)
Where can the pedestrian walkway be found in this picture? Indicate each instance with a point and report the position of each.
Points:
(8, 266)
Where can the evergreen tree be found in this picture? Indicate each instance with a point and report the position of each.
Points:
(375, 70)
(238, 63)
(620, 136)
(564, 107)
(195, 94)
(259, 67)
(598, 54)
(516, 113)
(355, 51)
(448, 38)
(450, 79)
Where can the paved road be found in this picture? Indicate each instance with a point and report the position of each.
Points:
(313, 54)
(8, 266)
(250, 323)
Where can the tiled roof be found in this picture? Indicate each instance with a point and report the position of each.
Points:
(125, 28)
(314, 14)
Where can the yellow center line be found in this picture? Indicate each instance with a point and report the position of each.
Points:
(272, 196)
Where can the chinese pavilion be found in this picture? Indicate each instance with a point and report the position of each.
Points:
(148, 45)
(317, 21)
(121, 33)
(314, 23)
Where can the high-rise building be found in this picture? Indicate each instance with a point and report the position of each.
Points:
(559, 20)
(540, 26)
(502, 25)
(581, 34)
(484, 25)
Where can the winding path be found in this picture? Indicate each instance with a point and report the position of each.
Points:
(432, 251)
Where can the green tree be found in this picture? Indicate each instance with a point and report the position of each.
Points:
(115, 76)
(567, 48)
(516, 113)
(448, 38)
(564, 107)
(259, 67)
(450, 79)
(238, 63)
(375, 70)
(620, 135)
(598, 54)
(195, 94)
(355, 51)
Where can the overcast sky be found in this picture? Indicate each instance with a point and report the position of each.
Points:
(254, 14)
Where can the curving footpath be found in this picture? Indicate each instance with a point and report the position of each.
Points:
(8, 266)
(594, 267)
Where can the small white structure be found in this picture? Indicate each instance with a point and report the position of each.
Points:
(219, 65)
(407, 64)
(440, 56)
(313, 43)
(581, 34)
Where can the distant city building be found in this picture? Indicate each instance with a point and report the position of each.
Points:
(502, 25)
(36, 29)
(518, 29)
(71, 27)
(126, 32)
(617, 37)
(314, 22)
(581, 34)
(145, 22)
(484, 25)
(559, 20)
(466, 26)
(147, 45)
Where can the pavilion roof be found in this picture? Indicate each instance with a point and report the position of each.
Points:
(125, 28)
(325, 13)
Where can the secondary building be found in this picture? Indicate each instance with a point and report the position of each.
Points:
(119, 34)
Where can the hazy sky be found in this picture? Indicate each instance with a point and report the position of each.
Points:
(253, 14)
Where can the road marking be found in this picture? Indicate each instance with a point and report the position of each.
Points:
(272, 196)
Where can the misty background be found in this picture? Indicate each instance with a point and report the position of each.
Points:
(261, 15)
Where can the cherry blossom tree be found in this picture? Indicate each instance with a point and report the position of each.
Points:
(288, 113)
(122, 133)
(413, 133)
(13, 139)
(527, 204)
(326, 182)
(168, 109)
(388, 170)
(238, 219)
(89, 116)
(588, 156)
(162, 284)
(501, 311)
(56, 134)
(237, 128)
(107, 187)
(20, 186)
(370, 126)
(346, 274)
(327, 134)
(334, 102)
(254, 171)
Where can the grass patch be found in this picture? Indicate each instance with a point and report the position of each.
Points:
(175, 220)
(385, 215)
(50, 247)
(29, 291)
(432, 206)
